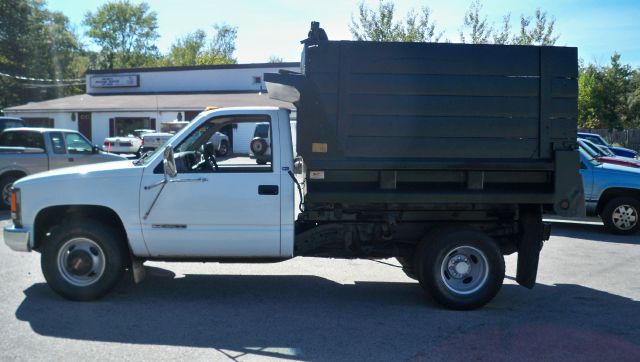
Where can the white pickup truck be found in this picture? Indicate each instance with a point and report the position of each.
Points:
(377, 174)
(89, 229)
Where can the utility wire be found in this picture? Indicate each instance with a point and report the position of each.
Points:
(43, 79)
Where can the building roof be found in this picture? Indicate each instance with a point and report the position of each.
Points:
(149, 102)
(195, 67)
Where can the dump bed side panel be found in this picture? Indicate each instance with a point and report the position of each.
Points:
(421, 123)
(444, 101)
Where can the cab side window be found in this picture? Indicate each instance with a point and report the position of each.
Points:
(227, 145)
(57, 142)
(77, 144)
(22, 139)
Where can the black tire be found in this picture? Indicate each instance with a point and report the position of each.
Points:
(479, 277)
(87, 279)
(259, 146)
(621, 215)
(223, 150)
(407, 266)
(5, 187)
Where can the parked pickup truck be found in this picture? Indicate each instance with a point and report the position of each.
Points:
(443, 156)
(25, 151)
(612, 192)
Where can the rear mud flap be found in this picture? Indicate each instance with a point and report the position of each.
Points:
(533, 231)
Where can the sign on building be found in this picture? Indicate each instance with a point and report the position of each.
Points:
(115, 81)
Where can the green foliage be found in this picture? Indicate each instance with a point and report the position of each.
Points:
(479, 29)
(193, 48)
(608, 96)
(536, 30)
(540, 33)
(380, 25)
(125, 32)
(37, 43)
(186, 50)
(275, 59)
(634, 98)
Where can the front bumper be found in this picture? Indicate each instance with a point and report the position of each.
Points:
(17, 239)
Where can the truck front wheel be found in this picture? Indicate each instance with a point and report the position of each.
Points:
(620, 215)
(83, 260)
(5, 185)
(461, 269)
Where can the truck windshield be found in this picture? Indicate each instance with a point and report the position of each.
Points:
(597, 139)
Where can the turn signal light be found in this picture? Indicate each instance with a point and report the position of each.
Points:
(14, 203)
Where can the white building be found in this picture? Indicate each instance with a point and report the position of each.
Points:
(119, 101)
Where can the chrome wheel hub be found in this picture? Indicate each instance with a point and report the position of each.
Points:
(81, 262)
(625, 217)
(464, 270)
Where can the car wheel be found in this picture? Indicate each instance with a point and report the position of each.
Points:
(224, 148)
(460, 269)
(259, 146)
(620, 215)
(83, 260)
(5, 185)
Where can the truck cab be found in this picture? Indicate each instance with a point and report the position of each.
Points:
(209, 199)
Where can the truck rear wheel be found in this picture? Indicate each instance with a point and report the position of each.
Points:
(460, 269)
(620, 215)
(83, 260)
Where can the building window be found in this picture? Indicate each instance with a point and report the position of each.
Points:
(124, 126)
(38, 122)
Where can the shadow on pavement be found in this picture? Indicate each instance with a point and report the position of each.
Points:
(591, 232)
(5, 215)
(312, 318)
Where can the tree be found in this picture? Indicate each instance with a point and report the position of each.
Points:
(540, 34)
(275, 59)
(634, 98)
(477, 25)
(125, 32)
(380, 25)
(222, 46)
(40, 56)
(193, 49)
(477, 30)
(605, 98)
(587, 84)
(186, 50)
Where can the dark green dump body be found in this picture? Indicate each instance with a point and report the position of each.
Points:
(422, 123)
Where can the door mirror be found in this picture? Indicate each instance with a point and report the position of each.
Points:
(95, 149)
(170, 169)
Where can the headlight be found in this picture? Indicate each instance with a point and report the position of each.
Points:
(15, 207)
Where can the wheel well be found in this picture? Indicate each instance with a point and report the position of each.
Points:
(612, 193)
(57, 215)
(18, 174)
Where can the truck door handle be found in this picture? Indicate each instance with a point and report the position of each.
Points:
(70, 159)
(267, 189)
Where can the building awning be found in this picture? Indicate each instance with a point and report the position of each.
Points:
(149, 102)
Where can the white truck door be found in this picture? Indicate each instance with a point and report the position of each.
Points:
(233, 211)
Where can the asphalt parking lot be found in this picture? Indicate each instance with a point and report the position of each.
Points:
(585, 306)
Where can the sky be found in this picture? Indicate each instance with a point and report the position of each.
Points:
(274, 28)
